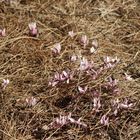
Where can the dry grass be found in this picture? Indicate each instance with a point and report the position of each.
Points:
(29, 64)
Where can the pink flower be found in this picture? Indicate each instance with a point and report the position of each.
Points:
(110, 62)
(96, 103)
(2, 32)
(115, 112)
(84, 64)
(82, 90)
(78, 122)
(112, 86)
(71, 34)
(61, 77)
(84, 40)
(72, 120)
(59, 122)
(57, 76)
(104, 120)
(5, 83)
(117, 104)
(31, 101)
(95, 43)
(64, 120)
(73, 58)
(94, 46)
(128, 77)
(92, 50)
(33, 29)
(94, 73)
(57, 48)
(125, 104)
(65, 76)
(53, 83)
(112, 82)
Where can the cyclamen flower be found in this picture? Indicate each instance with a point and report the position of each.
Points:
(31, 101)
(96, 103)
(57, 48)
(95, 43)
(82, 90)
(60, 77)
(112, 82)
(94, 46)
(128, 77)
(84, 40)
(73, 58)
(125, 104)
(117, 104)
(78, 122)
(71, 34)
(33, 29)
(94, 73)
(65, 76)
(112, 86)
(84, 64)
(104, 120)
(64, 120)
(5, 83)
(2, 32)
(92, 50)
(96, 100)
(110, 62)
(53, 83)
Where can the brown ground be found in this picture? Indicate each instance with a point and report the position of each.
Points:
(28, 63)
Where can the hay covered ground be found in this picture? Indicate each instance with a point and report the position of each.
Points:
(93, 95)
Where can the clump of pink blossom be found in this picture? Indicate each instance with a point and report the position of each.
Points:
(33, 31)
(2, 32)
(5, 83)
(64, 76)
(56, 49)
(64, 120)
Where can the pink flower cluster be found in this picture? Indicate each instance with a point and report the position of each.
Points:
(84, 40)
(112, 85)
(73, 58)
(96, 103)
(128, 77)
(33, 31)
(5, 83)
(64, 120)
(110, 62)
(82, 90)
(94, 73)
(60, 77)
(71, 34)
(117, 105)
(96, 100)
(2, 32)
(94, 47)
(84, 64)
(56, 49)
(104, 120)
(31, 101)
